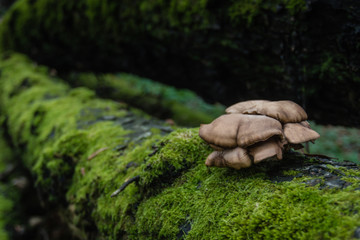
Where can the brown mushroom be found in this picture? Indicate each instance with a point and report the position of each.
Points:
(232, 130)
(256, 130)
(296, 133)
(263, 150)
(285, 111)
(235, 158)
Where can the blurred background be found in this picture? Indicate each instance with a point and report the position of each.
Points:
(184, 61)
(207, 54)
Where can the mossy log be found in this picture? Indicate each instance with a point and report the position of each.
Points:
(182, 106)
(80, 149)
(226, 51)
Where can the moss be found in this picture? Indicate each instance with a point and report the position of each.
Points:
(248, 9)
(242, 206)
(45, 115)
(291, 172)
(81, 149)
(8, 196)
(156, 17)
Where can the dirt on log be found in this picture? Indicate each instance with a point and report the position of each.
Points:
(80, 149)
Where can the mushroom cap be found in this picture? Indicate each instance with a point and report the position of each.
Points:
(285, 111)
(221, 132)
(231, 130)
(267, 149)
(296, 133)
(247, 107)
(305, 124)
(235, 158)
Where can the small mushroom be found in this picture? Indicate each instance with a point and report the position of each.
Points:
(273, 147)
(235, 158)
(285, 111)
(296, 133)
(232, 130)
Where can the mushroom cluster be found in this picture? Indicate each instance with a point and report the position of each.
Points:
(254, 131)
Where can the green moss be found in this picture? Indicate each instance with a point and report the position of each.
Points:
(182, 149)
(291, 172)
(248, 9)
(47, 118)
(242, 206)
(137, 17)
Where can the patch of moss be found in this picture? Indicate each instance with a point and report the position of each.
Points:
(291, 172)
(179, 151)
(55, 125)
(227, 204)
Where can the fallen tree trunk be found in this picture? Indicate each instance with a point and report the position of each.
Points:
(180, 105)
(81, 149)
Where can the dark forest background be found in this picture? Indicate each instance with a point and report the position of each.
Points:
(226, 51)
